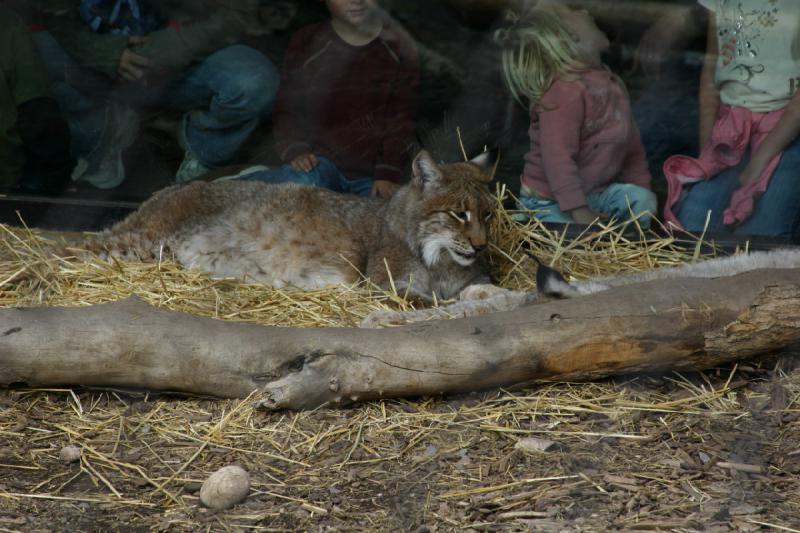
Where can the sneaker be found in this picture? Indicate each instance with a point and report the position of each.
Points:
(190, 168)
(103, 167)
(244, 173)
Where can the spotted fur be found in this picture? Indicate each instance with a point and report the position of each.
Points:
(427, 238)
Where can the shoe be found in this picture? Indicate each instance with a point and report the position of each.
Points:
(244, 173)
(190, 168)
(103, 167)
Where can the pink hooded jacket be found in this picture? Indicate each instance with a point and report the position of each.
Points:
(583, 138)
(736, 130)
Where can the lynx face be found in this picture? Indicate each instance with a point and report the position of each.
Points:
(456, 208)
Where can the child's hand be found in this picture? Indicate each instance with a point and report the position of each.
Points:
(383, 188)
(584, 215)
(305, 162)
(132, 66)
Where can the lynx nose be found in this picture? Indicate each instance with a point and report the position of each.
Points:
(477, 238)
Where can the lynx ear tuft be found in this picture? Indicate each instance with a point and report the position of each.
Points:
(426, 171)
(487, 161)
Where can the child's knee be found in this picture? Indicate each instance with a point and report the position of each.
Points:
(639, 198)
(643, 204)
(253, 80)
(647, 201)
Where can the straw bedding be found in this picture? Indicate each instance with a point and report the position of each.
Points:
(713, 451)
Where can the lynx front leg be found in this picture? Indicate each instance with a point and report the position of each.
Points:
(475, 300)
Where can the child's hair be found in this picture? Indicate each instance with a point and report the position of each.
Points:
(537, 48)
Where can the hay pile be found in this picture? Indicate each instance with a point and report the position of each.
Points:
(38, 270)
(715, 451)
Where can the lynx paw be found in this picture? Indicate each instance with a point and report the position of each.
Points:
(480, 291)
(382, 319)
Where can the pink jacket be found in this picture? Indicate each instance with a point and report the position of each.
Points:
(583, 138)
(736, 130)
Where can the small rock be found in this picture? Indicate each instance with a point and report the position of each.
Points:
(430, 450)
(532, 444)
(742, 509)
(21, 424)
(225, 488)
(70, 454)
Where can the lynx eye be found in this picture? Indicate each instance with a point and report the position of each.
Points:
(461, 216)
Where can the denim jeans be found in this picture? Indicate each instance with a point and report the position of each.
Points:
(85, 115)
(325, 174)
(613, 200)
(776, 213)
(223, 97)
(226, 96)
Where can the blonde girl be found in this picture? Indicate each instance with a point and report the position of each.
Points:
(586, 159)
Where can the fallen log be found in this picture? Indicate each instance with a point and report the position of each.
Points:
(688, 323)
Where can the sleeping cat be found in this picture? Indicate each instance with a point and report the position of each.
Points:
(428, 238)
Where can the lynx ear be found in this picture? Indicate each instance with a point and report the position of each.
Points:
(487, 161)
(426, 171)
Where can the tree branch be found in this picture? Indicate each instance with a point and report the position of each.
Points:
(653, 326)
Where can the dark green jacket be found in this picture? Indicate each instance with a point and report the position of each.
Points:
(22, 78)
(202, 28)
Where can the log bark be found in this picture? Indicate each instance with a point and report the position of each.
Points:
(653, 326)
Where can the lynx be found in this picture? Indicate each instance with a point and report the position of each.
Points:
(427, 238)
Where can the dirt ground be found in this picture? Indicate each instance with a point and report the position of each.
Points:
(716, 451)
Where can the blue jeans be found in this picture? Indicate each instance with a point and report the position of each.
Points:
(85, 115)
(226, 96)
(325, 174)
(223, 97)
(776, 213)
(613, 200)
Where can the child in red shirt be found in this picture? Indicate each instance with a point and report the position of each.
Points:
(344, 115)
(586, 160)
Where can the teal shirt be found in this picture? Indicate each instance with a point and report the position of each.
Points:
(197, 34)
(22, 78)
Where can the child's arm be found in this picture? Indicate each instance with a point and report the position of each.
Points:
(177, 48)
(784, 132)
(97, 51)
(289, 123)
(561, 115)
(708, 94)
(634, 169)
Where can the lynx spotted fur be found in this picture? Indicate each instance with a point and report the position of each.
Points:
(429, 235)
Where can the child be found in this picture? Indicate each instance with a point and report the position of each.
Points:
(586, 160)
(34, 139)
(747, 174)
(107, 59)
(344, 114)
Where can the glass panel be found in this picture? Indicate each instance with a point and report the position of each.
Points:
(105, 102)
